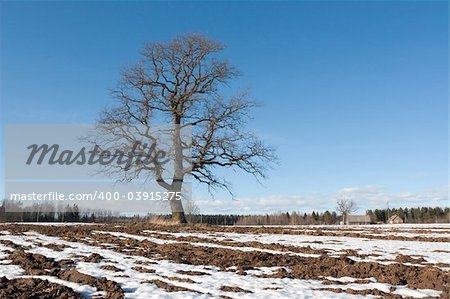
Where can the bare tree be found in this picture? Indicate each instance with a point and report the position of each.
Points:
(192, 210)
(345, 207)
(181, 83)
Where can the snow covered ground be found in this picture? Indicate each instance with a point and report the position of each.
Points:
(135, 282)
(432, 252)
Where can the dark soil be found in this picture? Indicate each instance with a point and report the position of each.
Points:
(93, 258)
(37, 264)
(194, 273)
(179, 279)
(56, 247)
(374, 292)
(143, 270)
(418, 275)
(26, 288)
(169, 287)
(111, 268)
(234, 289)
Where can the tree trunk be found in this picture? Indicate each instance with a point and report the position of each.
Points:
(178, 217)
(176, 207)
(177, 182)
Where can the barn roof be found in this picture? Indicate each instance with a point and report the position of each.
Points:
(393, 217)
(358, 218)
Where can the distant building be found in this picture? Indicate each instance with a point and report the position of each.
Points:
(395, 219)
(358, 219)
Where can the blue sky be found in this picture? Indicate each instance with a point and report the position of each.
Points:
(354, 94)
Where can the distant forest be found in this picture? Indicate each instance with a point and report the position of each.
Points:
(414, 215)
(409, 215)
(72, 213)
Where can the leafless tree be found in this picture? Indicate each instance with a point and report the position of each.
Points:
(182, 83)
(192, 210)
(345, 207)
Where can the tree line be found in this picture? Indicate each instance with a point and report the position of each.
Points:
(413, 215)
(408, 215)
(49, 212)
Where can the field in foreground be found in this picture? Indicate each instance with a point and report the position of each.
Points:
(150, 261)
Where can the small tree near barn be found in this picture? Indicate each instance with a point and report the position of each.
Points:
(345, 207)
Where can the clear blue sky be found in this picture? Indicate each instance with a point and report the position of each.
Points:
(354, 94)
